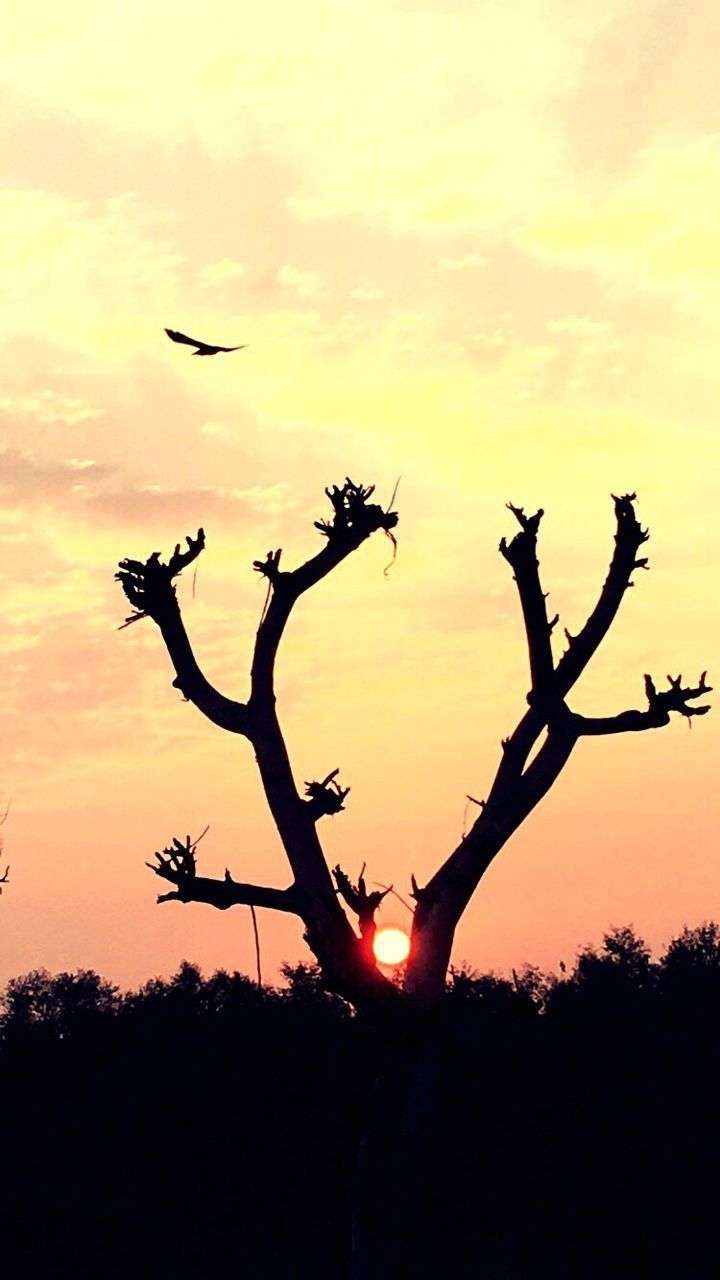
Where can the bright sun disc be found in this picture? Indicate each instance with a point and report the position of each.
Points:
(391, 946)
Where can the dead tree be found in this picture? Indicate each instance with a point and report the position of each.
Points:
(532, 756)
(392, 1165)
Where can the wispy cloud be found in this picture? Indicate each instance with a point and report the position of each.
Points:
(49, 407)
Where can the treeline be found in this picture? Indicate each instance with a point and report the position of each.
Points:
(206, 1127)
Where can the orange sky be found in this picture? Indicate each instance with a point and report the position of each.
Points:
(475, 245)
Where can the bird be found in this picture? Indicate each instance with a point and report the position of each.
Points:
(203, 348)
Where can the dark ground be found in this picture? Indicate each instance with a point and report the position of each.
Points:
(204, 1129)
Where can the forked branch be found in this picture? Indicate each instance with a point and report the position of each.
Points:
(522, 779)
(346, 961)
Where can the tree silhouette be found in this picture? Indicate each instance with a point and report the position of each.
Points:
(532, 756)
(392, 1168)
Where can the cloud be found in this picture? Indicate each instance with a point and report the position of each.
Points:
(649, 75)
(466, 262)
(218, 273)
(216, 431)
(153, 503)
(305, 283)
(656, 229)
(81, 272)
(367, 293)
(48, 406)
(84, 489)
(335, 94)
(24, 479)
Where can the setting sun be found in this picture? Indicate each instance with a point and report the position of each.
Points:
(391, 946)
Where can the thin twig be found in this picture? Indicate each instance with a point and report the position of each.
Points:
(267, 602)
(468, 801)
(257, 944)
(389, 889)
(394, 495)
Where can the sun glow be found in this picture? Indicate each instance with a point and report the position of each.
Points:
(391, 946)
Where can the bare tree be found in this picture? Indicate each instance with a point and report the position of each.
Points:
(519, 784)
(531, 759)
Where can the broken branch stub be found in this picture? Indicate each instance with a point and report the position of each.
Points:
(270, 566)
(677, 697)
(326, 798)
(362, 903)
(148, 584)
(176, 863)
(354, 517)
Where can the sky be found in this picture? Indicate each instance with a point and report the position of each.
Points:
(473, 245)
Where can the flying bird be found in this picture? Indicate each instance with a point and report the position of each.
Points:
(203, 348)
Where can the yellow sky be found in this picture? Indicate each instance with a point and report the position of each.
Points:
(473, 244)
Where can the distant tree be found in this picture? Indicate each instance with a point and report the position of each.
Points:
(532, 758)
(622, 954)
(611, 981)
(689, 971)
(188, 997)
(57, 1004)
(695, 949)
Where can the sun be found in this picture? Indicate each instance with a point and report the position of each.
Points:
(391, 946)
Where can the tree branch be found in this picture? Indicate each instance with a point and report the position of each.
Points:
(362, 903)
(518, 786)
(149, 587)
(629, 537)
(521, 554)
(177, 864)
(353, 520)
(660, 705)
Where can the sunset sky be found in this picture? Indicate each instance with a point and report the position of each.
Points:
(474, 245)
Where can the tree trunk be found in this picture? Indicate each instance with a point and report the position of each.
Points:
(432, 1188)
(391, 1230)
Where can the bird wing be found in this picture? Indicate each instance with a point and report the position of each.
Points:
(182, 337)
(240, 348)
